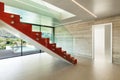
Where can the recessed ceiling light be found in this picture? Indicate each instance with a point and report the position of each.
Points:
(81, 6)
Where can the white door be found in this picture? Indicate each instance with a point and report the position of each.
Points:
(102, 42)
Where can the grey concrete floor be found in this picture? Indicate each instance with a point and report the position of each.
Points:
(45, 67)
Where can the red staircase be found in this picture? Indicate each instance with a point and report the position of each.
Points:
(13, 21)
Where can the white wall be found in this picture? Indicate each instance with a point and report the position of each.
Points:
(108, 42)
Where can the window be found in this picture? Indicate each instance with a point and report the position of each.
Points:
(36, 28)
(47, 33)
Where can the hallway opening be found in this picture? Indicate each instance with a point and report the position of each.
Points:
(102, 42)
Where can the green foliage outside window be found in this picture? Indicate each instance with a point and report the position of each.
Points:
(8, 42)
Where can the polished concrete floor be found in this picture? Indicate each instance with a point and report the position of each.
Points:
(45, 67)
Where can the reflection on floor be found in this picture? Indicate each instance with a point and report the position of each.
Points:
(45, 67)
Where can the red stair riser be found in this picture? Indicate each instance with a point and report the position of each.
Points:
(1, 7)
(42, 41)
(7, 18)
(16, 18)
(51, 46)
(37, 34)
(64, 52)
(26, 32)
(47, 40)
(26, 29)
(34, 36)
(58, 50)
(26, 26)
(72, 59)
(75, 61)
(68, 56)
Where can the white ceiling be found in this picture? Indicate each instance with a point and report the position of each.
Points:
(101, 8)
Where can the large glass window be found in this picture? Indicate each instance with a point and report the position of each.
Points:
(11, 46)
(9, 42)
(47, 32)
(36, 28)
(14, 45)
(28, 48)
(30, 17)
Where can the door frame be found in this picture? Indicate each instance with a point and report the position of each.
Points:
(93, 54)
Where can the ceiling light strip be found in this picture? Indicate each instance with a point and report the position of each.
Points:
(84, 8)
